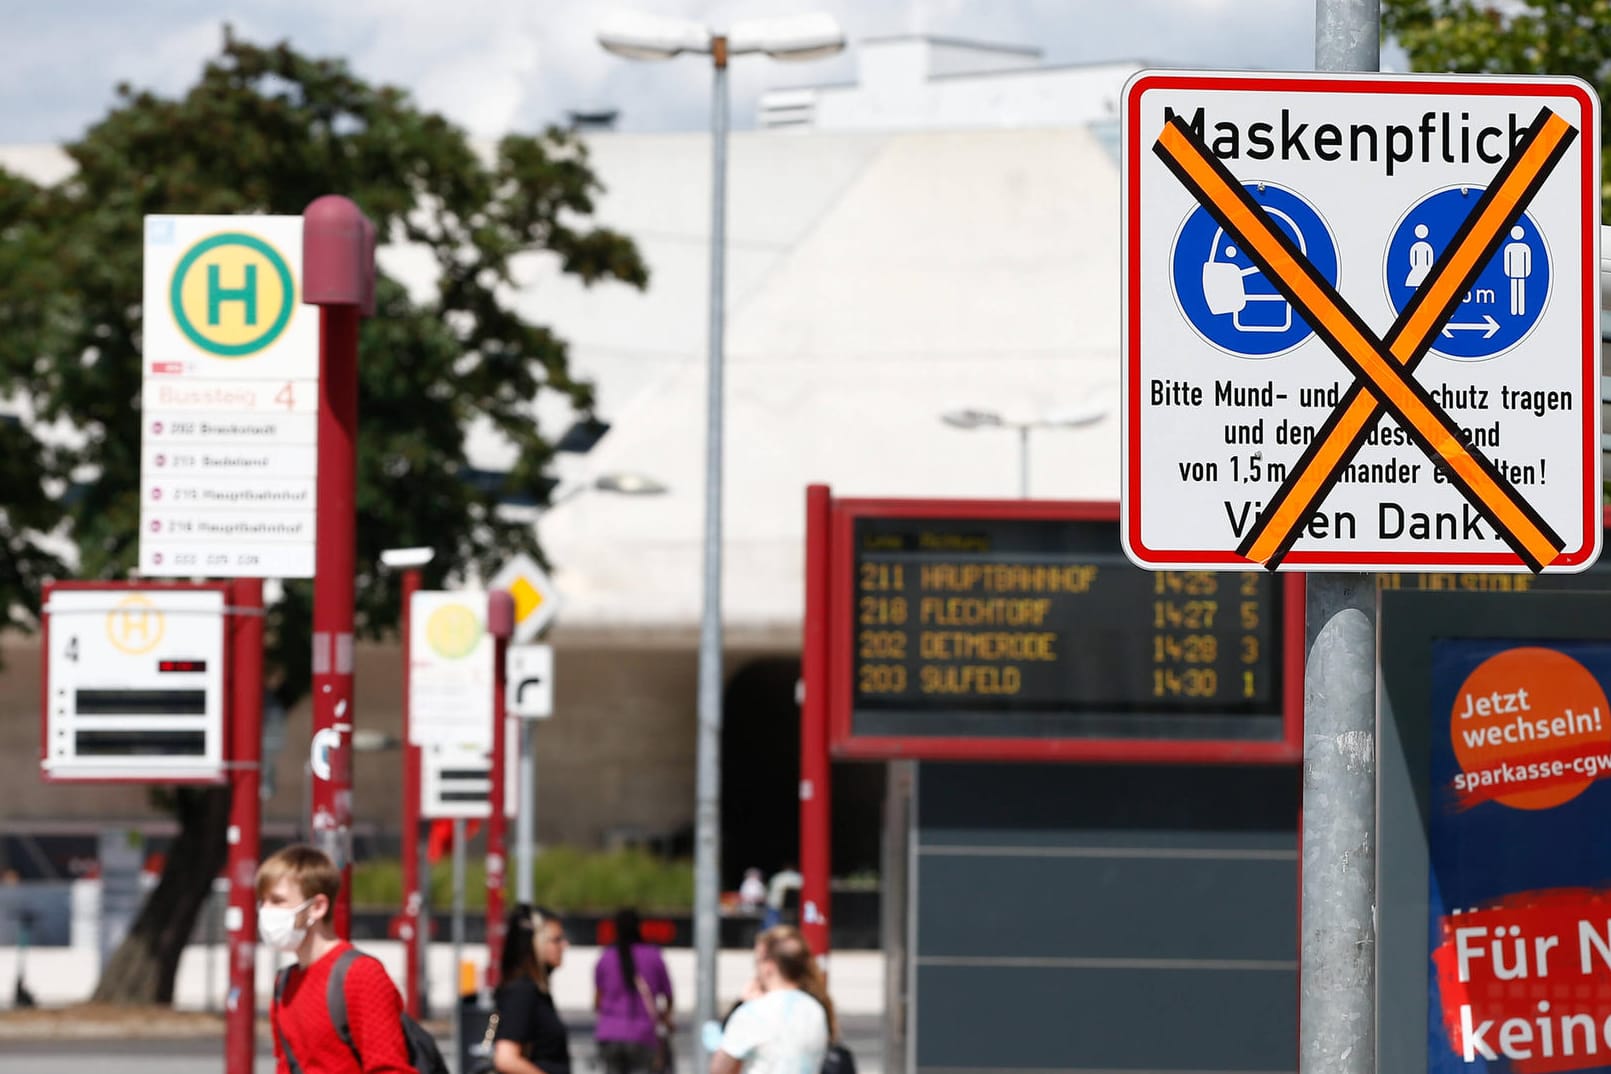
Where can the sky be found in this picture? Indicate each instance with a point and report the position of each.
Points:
(499, 65)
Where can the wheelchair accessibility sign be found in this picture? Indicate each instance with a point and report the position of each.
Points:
(1361, 325)
(1509, 294)
(1226, 297)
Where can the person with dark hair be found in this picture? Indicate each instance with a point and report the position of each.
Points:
(530, 1038)
(632, 994)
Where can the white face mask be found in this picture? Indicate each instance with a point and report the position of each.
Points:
(277, 928)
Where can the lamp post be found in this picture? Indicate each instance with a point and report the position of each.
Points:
(645, 37)
(973, 418)
(415, 927)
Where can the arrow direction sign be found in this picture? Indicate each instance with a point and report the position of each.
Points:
(530, 681)
(1487, 326)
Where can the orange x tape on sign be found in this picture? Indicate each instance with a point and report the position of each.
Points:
(1381, 369)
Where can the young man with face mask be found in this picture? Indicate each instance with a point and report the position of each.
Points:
(296, 891)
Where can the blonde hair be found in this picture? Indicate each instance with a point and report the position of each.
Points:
(786, 948)
(308, 867)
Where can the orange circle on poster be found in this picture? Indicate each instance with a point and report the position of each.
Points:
(1530, 728)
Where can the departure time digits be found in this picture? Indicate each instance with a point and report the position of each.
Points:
(977, 632)
(1192, 611)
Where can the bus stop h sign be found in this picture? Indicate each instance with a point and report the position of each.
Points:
(1362, 322)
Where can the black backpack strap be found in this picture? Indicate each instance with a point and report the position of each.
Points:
(280, 980)
(336, 1000)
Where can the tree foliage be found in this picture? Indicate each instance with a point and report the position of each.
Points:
(267, 130)
(28, 511)
(1521, 37)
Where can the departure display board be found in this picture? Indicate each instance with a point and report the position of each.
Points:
(134, 683)
(1039, 628)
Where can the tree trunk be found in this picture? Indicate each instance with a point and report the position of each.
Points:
(143, 968)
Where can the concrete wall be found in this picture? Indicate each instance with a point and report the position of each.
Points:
(59, 976)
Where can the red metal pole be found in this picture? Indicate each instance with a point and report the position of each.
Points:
(333, 596)
(245, 816)
(815, 769)
(412, 897)
(500, 624)
(338, 277)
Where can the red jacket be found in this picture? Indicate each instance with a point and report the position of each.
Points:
(301, 1018)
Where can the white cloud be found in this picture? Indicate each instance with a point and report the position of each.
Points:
(470, 59)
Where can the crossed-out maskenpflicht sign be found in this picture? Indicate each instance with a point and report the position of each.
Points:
(1362, 322)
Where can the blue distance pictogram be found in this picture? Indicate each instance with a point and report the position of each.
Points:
(1226, 297)
(1509, 294)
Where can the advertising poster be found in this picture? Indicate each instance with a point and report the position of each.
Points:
(1518, 843)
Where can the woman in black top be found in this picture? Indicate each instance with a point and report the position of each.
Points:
(530, 1038)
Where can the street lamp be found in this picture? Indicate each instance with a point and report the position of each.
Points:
(640, 37)
(622, 483)
(973, 418)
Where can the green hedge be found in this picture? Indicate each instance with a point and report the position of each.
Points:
(565, 879)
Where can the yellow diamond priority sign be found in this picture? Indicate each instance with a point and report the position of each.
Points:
(536, 599)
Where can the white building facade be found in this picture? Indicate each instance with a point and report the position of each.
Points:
(915, 82)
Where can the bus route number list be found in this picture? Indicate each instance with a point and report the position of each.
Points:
(1034, 628)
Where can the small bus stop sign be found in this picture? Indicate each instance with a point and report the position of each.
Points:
(450, 659)
(1362, 322)
(134, 684)
(456, 779)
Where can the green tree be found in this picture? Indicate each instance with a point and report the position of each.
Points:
(28, 511)
(1518, 37)
(267, 130)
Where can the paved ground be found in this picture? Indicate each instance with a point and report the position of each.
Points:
(67, 1036)
(200, 1050)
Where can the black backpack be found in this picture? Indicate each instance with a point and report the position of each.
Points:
(838, 1060)
(423, 1054)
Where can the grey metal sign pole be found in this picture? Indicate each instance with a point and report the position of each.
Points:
(1337, 948)
(526, 816)
(708, 787)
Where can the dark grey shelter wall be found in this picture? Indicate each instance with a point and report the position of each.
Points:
(1108, 918)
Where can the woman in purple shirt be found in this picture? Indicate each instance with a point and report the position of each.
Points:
(632, 994)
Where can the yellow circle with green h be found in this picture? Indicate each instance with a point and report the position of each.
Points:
(232, 294)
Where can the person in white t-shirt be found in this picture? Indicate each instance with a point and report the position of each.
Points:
(783, 1029)
(752, 892)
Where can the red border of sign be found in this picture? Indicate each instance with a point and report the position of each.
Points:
(1474, 85)
(44, 684)
(838, 640)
